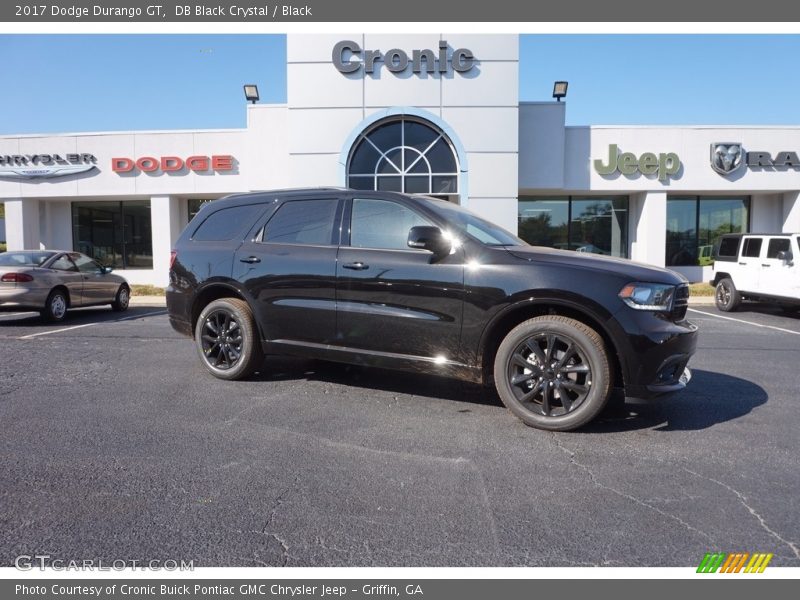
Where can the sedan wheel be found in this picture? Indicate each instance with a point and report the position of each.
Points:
(122, 299)
(226, 339)
(55, 308)
(553, 373)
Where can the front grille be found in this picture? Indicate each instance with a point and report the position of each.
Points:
(680, 303)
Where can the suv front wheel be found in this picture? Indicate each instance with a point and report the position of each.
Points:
(726, 296)
(553, 373)
(226, 338)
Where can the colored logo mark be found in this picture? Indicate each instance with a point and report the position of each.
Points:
(734, 562)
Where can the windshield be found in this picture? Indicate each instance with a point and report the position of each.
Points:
(30, 258)
(475, 227)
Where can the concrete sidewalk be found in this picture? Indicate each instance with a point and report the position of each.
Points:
(148, 301)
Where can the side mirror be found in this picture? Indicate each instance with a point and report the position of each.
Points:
(106, 270)
(785, 255)
(426, 237)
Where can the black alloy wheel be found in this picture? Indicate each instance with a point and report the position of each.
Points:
(553, 373)
(226, 339)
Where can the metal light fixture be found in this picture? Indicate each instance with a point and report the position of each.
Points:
(560, 90)
(251, 92)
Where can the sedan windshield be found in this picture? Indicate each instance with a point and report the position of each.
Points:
(472, 225)
(25, 258)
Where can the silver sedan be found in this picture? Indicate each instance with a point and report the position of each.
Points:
(51, 281)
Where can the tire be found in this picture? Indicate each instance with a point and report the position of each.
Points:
(122, 299)
(726, 296)
(227, 340)
(55, 307)
(538, 393)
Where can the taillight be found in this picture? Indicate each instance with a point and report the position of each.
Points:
(172, 256)
(16, 278)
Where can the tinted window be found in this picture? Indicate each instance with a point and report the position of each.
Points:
(729, 247)
(778, 245)
(84, 263)
(63, 263)
(302, 222)
(23, 259)
(227, 223)
(382, 224)
(752, 247)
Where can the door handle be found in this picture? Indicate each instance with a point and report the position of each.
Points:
(763, 265)
(742, 263)
(355, 266)
(250, 260)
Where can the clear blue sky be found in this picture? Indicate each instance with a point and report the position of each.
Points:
(63, 83)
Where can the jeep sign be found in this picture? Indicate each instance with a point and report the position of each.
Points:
(348, 57)
(664, 165)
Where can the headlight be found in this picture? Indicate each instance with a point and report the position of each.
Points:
(648, 296)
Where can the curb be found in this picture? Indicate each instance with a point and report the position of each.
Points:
(148, 301)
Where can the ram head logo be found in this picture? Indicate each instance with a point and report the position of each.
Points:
(726, 157)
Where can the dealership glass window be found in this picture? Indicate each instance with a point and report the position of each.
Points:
(695, 224)
(194, 205)
(594, 224)
(117, 234)
(404, 155)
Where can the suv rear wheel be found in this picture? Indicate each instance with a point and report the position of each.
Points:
(726, 296)
(226, 338)
(553, 373)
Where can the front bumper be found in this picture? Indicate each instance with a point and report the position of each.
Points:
(653, 351)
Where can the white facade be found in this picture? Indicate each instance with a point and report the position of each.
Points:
(504, 150)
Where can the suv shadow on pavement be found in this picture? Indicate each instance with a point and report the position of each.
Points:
(713, 398)
(283, 368)
(707, 403)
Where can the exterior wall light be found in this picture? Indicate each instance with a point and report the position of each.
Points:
(251, 92)
(560, 90)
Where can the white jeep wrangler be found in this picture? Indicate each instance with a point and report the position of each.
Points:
(753, 266)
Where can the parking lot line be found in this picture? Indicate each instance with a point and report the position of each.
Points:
(702, 312)
(41, 333)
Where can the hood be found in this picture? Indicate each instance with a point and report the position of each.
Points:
(634, 271)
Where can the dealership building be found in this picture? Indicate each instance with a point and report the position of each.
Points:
(434, 114)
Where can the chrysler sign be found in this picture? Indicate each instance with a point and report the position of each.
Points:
(348, 57)
(44, 166)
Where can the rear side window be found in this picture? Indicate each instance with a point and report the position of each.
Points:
(729, 247)
(778, 245)
(302, 222)
(63, 263)
(752, 247)
(227, 223)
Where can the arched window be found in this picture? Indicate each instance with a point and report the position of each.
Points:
(403, 155)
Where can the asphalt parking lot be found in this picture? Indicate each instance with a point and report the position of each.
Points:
(117, 445)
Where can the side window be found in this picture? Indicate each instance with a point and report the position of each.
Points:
(382, 224)
(729, 247)
(302, 222)
(63, 263)
(84, 263)
(778, 245)
(227, 223)
(752, 247)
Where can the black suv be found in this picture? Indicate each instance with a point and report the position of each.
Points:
(416, 283)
